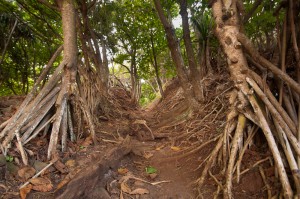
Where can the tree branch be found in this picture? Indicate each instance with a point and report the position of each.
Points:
(49, 5)
(253, 9)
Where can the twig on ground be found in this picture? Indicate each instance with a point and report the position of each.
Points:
(190, 152)
(152, 183)
(215, 179)
(263, 176)
(39, 173)
(253, 166)
(21, 149)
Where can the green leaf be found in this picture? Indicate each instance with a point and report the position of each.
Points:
(150, 170)
(9, 158)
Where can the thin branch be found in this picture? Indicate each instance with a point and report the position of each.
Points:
(253, 9)
(8, 40)
(49, 5)
(39, 173)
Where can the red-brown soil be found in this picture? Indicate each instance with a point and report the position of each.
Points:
(126, 149)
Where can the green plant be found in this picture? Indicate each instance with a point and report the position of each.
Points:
(9, 158)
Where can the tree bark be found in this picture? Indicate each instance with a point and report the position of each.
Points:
(70, 69)
(93, 48)
(134, 78)
(194, 73)
(105, 69)
(175, 52)
(227, 31)
(207, 57)
(8, 40)
(70, 41)
(156, 68)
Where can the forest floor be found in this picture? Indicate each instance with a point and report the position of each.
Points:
(127, 162)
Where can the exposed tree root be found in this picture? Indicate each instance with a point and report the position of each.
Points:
(56, 101)
(255, 104)
(263, 176)
(191, 150)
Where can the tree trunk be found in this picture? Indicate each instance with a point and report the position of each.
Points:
(61, 89)
(194, 73)
(156, 68)
(227, 32)
(207, 57)
(134, 79)
(105, 69)
(175, 53)
(70, 69)
(70, 43)
(199, 46)
(7, 42)
(93, 50)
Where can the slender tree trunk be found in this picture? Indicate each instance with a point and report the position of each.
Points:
(70, 69)
(253, 9)
(7, 42)
(105, 69)
(207, 57)
(156, 68)
(175, 53)
(134, 79)
(194, 73)
(199, 47)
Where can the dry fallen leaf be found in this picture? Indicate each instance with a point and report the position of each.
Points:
(61, 167)
(26, 172)
(175, 148)
(68, 178)
(70, 163)
(25, 190)
(41, 184)
(153, 175)
(139, 191)
(122, 171)
(147, 155)
(87, 142)
(125, 188)
(160, 147)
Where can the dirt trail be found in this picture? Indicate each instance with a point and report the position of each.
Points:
(116, 167)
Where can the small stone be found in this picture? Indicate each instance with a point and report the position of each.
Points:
(38, 166)
(12, 168)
